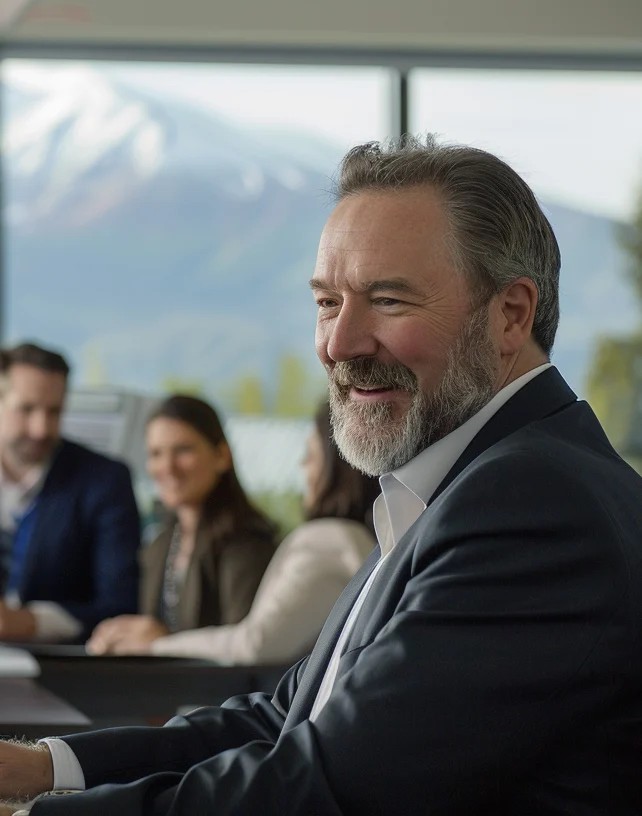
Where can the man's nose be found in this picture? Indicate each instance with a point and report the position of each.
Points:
(349, 335)
(41, 426)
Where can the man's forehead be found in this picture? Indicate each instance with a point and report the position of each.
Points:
(31, 382)
(370, 238)
(336, 234)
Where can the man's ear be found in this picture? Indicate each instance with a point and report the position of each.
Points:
(517, 304)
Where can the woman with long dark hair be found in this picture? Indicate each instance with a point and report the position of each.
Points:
(206, 564)
(309, 571)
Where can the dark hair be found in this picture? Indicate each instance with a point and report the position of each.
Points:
(226, 509)
(33, 355)
(499, 232)
(344, 492)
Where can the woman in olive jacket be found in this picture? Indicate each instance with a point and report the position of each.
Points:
(205, 566)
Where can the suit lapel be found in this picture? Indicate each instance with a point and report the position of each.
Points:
(544, 395)
(52, 511)
(320, 657)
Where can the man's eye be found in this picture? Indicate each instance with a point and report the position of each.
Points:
(326, 303)
(386, 301)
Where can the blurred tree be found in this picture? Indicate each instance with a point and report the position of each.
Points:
(611, 385)
(96, 373)
(297, 393)
(173, 384)
(614, 381)
(248, 396)
(630, 236)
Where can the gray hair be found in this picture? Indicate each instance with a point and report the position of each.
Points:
(499, 231)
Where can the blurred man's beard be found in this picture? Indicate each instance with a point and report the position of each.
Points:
(372, 439)
(28, 453)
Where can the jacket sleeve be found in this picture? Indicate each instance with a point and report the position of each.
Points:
(511, 625)
(111, 517)
(125, 754)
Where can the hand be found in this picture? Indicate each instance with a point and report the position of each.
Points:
(126, 634)
(16, 624)
(25, 770)
(9, 808)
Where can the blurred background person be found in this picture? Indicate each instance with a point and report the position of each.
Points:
(309, 571)
(69, 526)
(206, 564)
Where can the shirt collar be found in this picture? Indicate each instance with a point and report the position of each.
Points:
(15, 497)
(407, 490)
(28, 482)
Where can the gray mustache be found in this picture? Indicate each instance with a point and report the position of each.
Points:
(365, 372)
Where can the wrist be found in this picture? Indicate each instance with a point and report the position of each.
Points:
(38, 764)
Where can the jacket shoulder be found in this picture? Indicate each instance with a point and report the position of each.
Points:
(77, 456)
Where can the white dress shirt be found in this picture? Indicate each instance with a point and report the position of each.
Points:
(405, 495)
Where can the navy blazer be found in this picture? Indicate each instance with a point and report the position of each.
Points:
(495, 667)
(83, 539)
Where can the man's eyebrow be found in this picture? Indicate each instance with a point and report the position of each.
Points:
(390, 285)
(399, 285)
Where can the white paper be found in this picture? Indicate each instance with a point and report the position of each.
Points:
(17, 663)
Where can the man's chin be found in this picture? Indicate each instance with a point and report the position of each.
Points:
(32, 456)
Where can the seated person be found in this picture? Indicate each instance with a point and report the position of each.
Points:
(307, 574)
(487, 658)
(69, 526)
(204, 567)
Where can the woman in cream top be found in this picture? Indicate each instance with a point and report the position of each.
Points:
(307, 574)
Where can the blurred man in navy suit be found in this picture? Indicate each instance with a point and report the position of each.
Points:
(69, 526)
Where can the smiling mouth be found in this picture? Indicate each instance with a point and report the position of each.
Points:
(371, 393)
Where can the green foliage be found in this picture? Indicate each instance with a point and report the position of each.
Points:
(96, 370)
(630, 237)
(297, 392)
(173, 384)
(294, 396)
(285, 509)
(613, 381)
(248, 397)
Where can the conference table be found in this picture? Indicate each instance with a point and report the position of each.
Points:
(75, 691)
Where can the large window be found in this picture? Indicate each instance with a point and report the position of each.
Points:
(161, 220)
(577, 139)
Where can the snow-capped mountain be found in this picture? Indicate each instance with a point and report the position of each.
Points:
(152, 238)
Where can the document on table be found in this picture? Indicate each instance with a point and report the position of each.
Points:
(17, 663)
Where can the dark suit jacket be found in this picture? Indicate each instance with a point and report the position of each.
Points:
(82, 550)
(495, 668)
(221, 579)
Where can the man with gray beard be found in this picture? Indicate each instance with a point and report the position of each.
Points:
(487, 658)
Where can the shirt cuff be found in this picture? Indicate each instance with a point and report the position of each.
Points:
(67, 772)
(53, 623)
